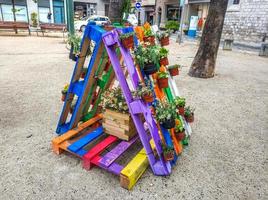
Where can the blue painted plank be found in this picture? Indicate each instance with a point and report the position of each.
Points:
(79, 144)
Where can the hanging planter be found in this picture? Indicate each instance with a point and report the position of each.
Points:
(189, 114)
(164, 41)
(164, 61)
(162, 79)
(74, 41)
(149, 37)
(163, 53)
(173, 70)
(150, 68)
(64, 92)
(180, 104)
(166, 114)
(163, 37)
(168, 153)
(179, 133)
(127, 40)
(83, 74)
(168, 123)
(148, 98)
(144, 92)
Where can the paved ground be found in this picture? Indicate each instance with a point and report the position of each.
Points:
(227, 157)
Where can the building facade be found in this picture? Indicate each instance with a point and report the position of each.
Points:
(147, 11)
(246, 21)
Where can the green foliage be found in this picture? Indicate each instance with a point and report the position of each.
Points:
(179, 101)
(74, 41)
(126, 35)
(172, 25)
(125, 8)
(113, 99)
(65, 89)
(34, 19)
(163, 34)
(165, 111)
(163, 52)
(167, 149)
(162, 75)
(148, 32)
(146, 55)
(142, 90)
(173, 66)
(189, 111)
(179, 129)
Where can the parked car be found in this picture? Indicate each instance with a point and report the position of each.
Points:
(100, 21)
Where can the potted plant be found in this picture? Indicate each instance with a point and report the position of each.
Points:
(166, 114)
(127, 40)
(172, 25)
(145, 92)
(163, 37)
(180, 104)
(168, 152)
(173, 70)
(162, 79)
(64, 92)
(149, 37)
(179, 132)
(189, 114)
(74, 41)
(163, 56)
(147, 57)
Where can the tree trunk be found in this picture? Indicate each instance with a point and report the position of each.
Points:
(115, 10)
(203, 65)
(14, 14)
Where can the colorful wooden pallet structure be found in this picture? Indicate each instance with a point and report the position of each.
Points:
(88, 140)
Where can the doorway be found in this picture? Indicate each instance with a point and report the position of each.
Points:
(58, 11)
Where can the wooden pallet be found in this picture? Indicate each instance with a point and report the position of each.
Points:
(77, 142)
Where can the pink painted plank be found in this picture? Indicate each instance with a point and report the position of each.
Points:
(110, 157)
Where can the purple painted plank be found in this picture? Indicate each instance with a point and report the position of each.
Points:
(115, 168)
(110, 157)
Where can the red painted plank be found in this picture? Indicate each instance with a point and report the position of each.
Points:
(87, 158)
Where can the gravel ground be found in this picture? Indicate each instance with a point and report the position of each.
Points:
(226, 159)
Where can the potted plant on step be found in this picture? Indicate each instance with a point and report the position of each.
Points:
(189, 114)
(166, 114)
(149, 37)
(180, 104)
(162, 79)
(127, 40)
(179, 132)
(168, 153)
(147, 57)
(74, 42)
(163, 52)
(145, 92)
(173, 70)
(64, 92)
(163, 37)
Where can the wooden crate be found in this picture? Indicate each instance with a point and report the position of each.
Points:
(118, 124)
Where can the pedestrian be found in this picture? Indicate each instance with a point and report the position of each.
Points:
(49, 16)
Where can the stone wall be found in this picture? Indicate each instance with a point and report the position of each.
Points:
(246, 22)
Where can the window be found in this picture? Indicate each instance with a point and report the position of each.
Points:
(21, 14)
(235, 2)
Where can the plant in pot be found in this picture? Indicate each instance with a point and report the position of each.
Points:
(162, 79)
(180, 104)
(145, 92)
(147, 57)
(64, 92)
(163, 52)
(149, 37)
(83, 73)
(189, 114)
(173, 70)
(168, 152)
(74, 41)
(166, 114)
(179, 132)
(163, 37)
(127, 40)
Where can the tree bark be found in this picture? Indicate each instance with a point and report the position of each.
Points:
(203, 65)
(115, 10)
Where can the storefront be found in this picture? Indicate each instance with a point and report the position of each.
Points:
(83, 9)
(173, 12)
(20, 13)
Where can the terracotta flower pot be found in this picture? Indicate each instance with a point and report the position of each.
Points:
(168, 156)
(164, 41)
(190, 118)
(63, 96)
(153, 110)
(162, 82)
(148, 98)
(128, 43)
(83, 74)
(180, 136)
(168, 124)
(150, 68)
(174, 71)
(164, 61)
(150, 39)
(181, 110)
